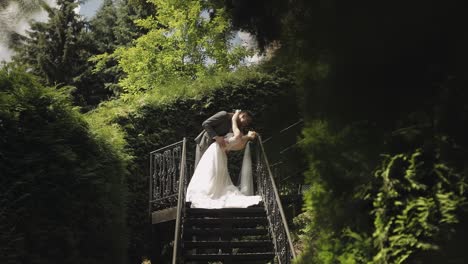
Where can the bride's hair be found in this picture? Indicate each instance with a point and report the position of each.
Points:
(250, 118)
(248, 113)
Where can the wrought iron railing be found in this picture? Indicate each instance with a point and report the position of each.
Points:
(164, 176)
(170, 168)
(266, 187)
(180, 204)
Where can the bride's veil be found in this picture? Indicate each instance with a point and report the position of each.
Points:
(245, 178)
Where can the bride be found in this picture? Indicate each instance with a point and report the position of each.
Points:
(211, 185)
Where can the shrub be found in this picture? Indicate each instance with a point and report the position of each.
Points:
(62, 189)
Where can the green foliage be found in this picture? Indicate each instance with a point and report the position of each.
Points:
(418, 202)
(52, 48)
(57, 50)
(63, 191)
(339, 175)
(186, 40)
(318, 245)
(418, 193)
(111, 27)
(113, 110)
(338, 172)
(369, 65)
(418, 198)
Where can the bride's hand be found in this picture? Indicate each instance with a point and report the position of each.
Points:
(252, 134)
(236, 114)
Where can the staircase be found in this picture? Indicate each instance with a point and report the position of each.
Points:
(228, 235)
(254, 235)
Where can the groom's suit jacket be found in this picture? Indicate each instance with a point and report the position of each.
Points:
(217, 125)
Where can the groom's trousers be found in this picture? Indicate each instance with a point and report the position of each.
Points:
(218, 124)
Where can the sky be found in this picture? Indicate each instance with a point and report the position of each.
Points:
(89, 8)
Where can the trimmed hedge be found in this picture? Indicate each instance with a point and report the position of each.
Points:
(62, 192)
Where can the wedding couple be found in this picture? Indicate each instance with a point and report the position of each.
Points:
(211, 185)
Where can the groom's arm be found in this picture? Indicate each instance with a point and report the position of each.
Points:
(213, 121)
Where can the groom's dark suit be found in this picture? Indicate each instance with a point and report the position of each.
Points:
(217, 125)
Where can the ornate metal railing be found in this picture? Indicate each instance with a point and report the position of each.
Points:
(266, 187)
(180, 203)
(164, 176)
(170, 168)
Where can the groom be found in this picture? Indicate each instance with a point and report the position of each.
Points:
(216, 127)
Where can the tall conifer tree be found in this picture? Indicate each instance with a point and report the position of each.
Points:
(58, 50)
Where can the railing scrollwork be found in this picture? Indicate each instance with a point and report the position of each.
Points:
(266, 187)
(164, 176)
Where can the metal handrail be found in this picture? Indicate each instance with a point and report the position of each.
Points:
(284, 255)
(165, 147)
(180, 203)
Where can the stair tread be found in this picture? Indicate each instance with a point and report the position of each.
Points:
(215, 229)
(230, 241)
(245, 243)
(218, 227)
(205, 211)
(236, 256)
(221, 231)
(229, 254)
(220, 221)
(233, 218)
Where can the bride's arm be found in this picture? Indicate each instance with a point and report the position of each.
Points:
(251, 135)
(248, 137)
(244, 139)
(235, 127)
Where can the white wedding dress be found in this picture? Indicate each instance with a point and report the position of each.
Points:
(211, 185)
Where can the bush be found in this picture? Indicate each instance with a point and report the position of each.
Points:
(340, 175)
(62, 189)
(408, 205)
(420, 200)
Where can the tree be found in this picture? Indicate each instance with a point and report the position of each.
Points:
(112, 27)
(50, 49)
(57, 51)
(185, 40)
